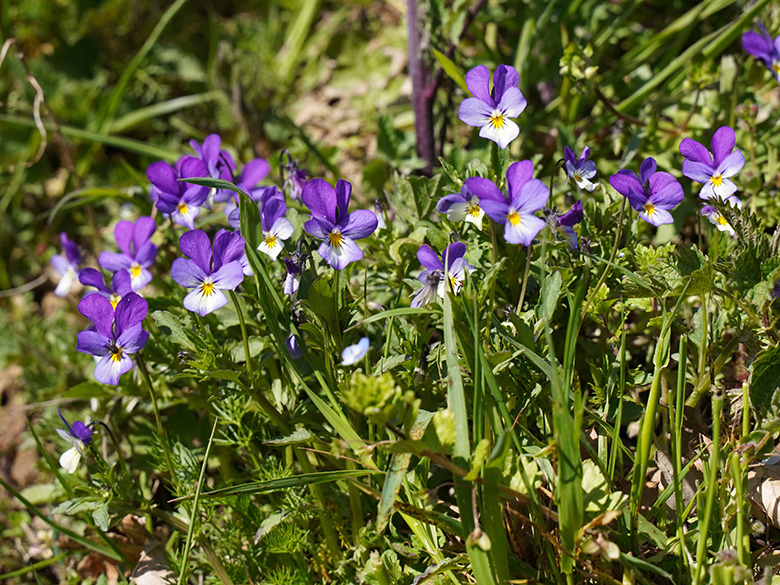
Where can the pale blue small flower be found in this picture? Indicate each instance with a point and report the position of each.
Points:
(354, 353)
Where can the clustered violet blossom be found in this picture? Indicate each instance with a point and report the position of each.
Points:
(137, 251)
(713, 170)
(79, 435)
(653, 194)
(462, 206)
(219, 165)
(181, 200)
(332, 223)
(762, 47)
(68, 266)
(491, 111)
(580, 169)
(116, 336)
(526, 196)
(209, 271)
(433, 277)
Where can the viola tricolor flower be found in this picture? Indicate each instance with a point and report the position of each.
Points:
(67, 266)
(354, 353)
(137, 251)
(762, 47)
(580, 169)
(653, 194)
(462, 206)
(713, 170)
(219, 165)
(276, 228)
(491, 111)
(292, 280)
(294, 176)
(332, 223)
(182, 201)
(293, 346)
(79, 435)
(254, 172)
(526, 197)
(120, 285)
(564, 224)
(433, 277)
(208, 271)
(717, 219)
(117, 334)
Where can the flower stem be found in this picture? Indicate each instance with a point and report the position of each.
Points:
(160, 429)
(242, 324)
(525, 280)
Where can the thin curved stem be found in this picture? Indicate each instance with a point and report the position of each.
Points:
(242, 324)
(160, 429)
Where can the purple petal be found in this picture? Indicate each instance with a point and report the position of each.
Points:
(428, 258)
(478, 82)
(229, 276)
(757, 45)
(485, 189)
(517, 175)
(108, 370)
(92, 277)
(722, 143)
(146, 254)
(60, 264)
(187, 273)
(272, 209)
(570, 157)
(495, 210)
(585, 154)
(697, 171)
(360, 224)
(81, 432)
(340, 256)
(320, 197)
(448, 200)
(254, 171)
(732, 164)
(532, 197)
(72, 252)
(211, 147)
(646, 169)
(121, 283)
(123, 234)
(505, 78)
(474, 112)
(98, 309)
(228, 246)
(525, 231)
(624, 181)
(131, 310)
(665, 193)
(163, 176)
(343, 193)
(92, 342)
(133, 339)
(319, 228)
(197, 246)
(453, 252)
(573, 216)
(695, 151)
(512, 103)
(637, 199)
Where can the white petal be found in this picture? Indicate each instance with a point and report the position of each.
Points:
(282, 228)
(65, 283)
(69, 460)
(202, 304)
(501, 136)
(272, 251)
(457, 211)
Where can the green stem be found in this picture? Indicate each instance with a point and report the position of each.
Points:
(525, 280)
(160, 429)
(242, 324)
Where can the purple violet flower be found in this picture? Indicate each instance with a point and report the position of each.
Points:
(564, 223)
(137, 251)
(293, 345)
(762, 47)
(253, 172)
(332, 223)
(713, 171)
(717, 219)
(79, 435)
(526, 197)
(120, 284)
(491, 111)
(116, 336)
(182, 201)
(580, 169)
(67, 266)
(294, 176)
(276, 228)
(352, 354)
(292, 279)
(433, 277)
(208, 271)
(219, 165)
(653, 194)
(462, 206)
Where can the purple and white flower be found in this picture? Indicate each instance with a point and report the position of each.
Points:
(253, 172)
(434, 277)
(713, 170)
(352, 354)
(491, 111)
(564, 224)
(653, 194)
(67, 265)
(580, 169)
(219, 165)
(79, 436)
(526, 196)
(208, 271)
(332, 223)
(182, 201)
(117, 334)
(276, 228)
(120, 284)
(137, 251)
(762, 47)
(463, 206)
(294, 176)
(292, 280)
(717, 219)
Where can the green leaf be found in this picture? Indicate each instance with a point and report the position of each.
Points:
(170, 326)
(765, 383)
(451, 70)
(100, 516)
(301, 435)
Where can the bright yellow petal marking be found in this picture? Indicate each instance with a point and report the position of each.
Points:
(513, 218)
(473, 209)
(335, 239)
(270, 240)
(721, 220)
(135, 270)
(497, 120)
(116, 354)
(717, 180)
(182, 207)
(776, 66)
(649, 208)
(207, 288)
(577, 177)
(115, 298)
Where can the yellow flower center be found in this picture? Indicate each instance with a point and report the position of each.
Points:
(473, 209)
(207, 288)
(577, 177)
(115, 298)
(721, 220)
(135, 270)
(116, 354)
(270, 240)
(717, 180)
(497, 120)
(182, 207)
(513, 217)
(649, 208)
(776, 66)
(335, 239)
